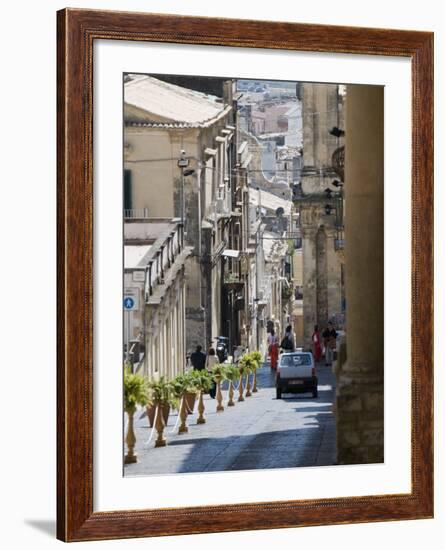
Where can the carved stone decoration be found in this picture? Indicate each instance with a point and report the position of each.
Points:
(338, 162)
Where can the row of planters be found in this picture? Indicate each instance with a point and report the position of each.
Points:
(181, 393)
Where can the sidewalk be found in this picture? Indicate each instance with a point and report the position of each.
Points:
(261, 432)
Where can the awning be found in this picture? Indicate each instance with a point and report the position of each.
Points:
(230, 253)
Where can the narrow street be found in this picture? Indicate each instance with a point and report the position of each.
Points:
(260, 433)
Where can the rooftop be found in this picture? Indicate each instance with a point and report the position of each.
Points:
(152, 102)
(143, 240)
(269, 201)
(134, 255)
(148, 229)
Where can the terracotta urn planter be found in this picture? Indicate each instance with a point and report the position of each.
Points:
(159, 427)
(240, 389)
(219, 396)
(254, 389)
(248, 386)
(183, 428)
(130, 457)
(151, 412)
(231, 393)
(190, 401)
(201, 408)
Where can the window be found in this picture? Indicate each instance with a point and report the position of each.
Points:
(295, 360)
(127, 190)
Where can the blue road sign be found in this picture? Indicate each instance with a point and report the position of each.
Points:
(128, 302)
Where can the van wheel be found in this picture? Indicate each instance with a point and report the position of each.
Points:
(278, 393)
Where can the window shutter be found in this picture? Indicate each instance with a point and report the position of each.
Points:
(127, 190)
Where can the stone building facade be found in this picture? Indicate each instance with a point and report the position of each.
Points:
(166, 124)
(154, 276)
(322, 266)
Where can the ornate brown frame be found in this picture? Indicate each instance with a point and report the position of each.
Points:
(77, 30)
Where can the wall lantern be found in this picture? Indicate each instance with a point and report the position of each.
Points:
(336, 132)
(337, 183)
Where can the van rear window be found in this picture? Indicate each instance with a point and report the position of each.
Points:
(295, 360)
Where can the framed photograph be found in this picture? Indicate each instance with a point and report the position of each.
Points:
(245, 231)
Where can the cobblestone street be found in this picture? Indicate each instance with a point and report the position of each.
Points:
(261, 432)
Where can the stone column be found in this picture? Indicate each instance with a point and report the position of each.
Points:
(333, 275)
(309, 284)
(360, 379)
(322, 278)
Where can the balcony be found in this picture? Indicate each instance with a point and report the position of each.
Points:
(135, 213)
(232, 281)
(287, 292)
(339, 241)
(338, 162)
(339, 244)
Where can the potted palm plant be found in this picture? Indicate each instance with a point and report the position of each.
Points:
(241, 372)
(151, 407)
(257, 359)
(247, 366)
(135, 393)
(162, 398)
(182, 387)
(231, 374)
(190, 394)
(202, 381)
(218, 373)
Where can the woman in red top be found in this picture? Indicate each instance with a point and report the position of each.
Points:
(316, 344)
(272, 340)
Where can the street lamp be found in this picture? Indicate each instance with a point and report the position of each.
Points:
(183, 163)
(340, 240)
(336, 132)
(337, 183)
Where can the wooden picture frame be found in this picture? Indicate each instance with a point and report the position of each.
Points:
(77, 31)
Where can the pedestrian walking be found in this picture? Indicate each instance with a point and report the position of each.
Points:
(316, 344)
(288, 342)
(238, 353)
(198, 359)
(272, 343)
(330, 342)
(211, 361)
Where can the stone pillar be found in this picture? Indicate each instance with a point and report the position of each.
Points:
(360, 379)
(322, 278)
(320, 113)
(333, 276)
(309, 284)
